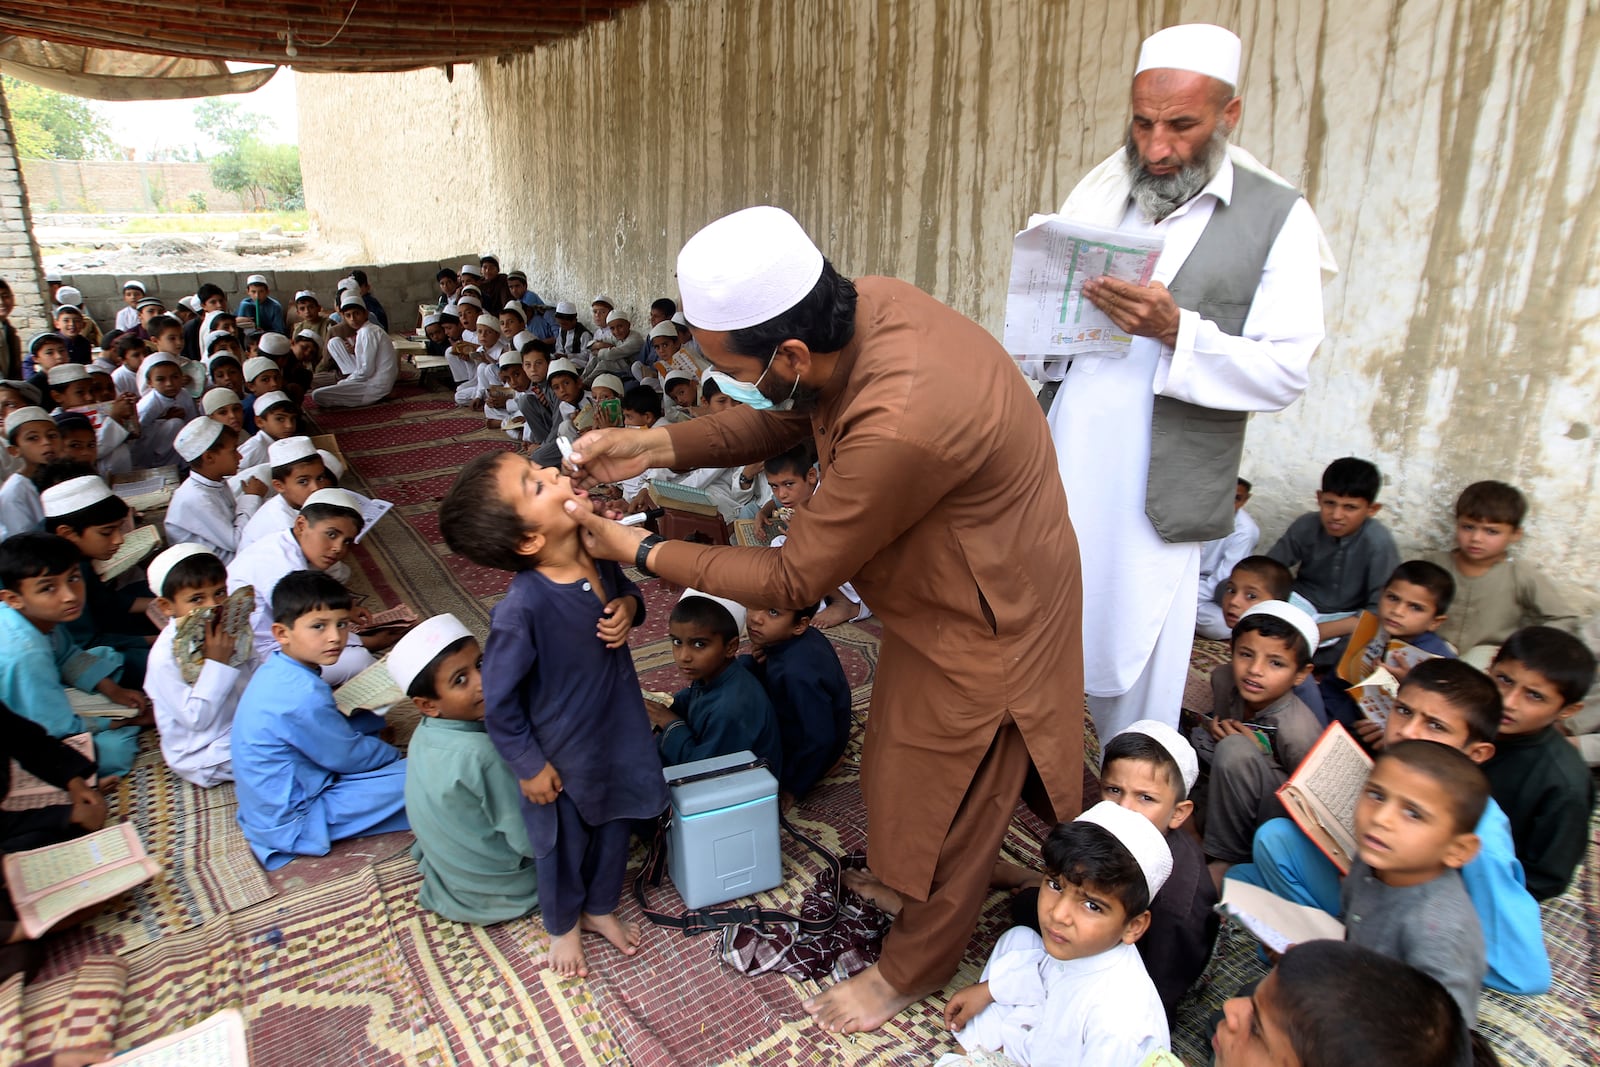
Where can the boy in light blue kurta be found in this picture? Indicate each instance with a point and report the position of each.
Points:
(306, 775)
(463, 802)
(43, 588)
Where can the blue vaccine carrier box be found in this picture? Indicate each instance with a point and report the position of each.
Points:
(723, 840)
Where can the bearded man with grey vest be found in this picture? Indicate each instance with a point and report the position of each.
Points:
(1149, 441)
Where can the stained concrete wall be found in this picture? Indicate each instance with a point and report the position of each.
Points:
(19, 255)
(1447, 145)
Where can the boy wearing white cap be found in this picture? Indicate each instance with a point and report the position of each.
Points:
(128, 314)
(1079, 993)
(614, 355)
(163, 411)
(309, 316)
(571, 338)
(33, 440)
(276, 418)
(204, 510)
(320, 538)
(259, 308)
(1259, 730)
(195, 719)
(297, 470)
(307, 775)
(370, 368)
(464, 805)
(38, 595)
(504, 399)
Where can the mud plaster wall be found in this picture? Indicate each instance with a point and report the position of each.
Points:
(1447, 146)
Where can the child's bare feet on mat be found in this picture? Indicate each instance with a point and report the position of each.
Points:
(840, 611)
(1012, 876)
(866, 884)
(624, 935)
(864, 1002)
(566, 954)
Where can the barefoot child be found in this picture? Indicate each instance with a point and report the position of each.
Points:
(464, 805)
(562, 707)
(1078, 994)
(195, 720)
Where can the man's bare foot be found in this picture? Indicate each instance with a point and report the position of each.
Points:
(866, 884)
(839, 611)
(566, 954)
(864, 1002)
(1012, 877)
(624, 935)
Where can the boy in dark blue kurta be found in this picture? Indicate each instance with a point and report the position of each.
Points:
(724, 710)
(800, 671)
(561, 699)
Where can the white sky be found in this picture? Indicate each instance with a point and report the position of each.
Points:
(148, 125)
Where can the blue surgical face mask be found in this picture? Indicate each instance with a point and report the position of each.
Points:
(750, 393)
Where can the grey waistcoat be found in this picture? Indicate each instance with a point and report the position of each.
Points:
(1195, 451)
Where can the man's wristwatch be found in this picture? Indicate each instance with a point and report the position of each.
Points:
(643, 554)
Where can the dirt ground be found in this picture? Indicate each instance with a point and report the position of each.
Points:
(94, 243)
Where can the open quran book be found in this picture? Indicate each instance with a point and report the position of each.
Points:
(48, 884)
(189, 637)
(148, 488)
(97, 705)
(214, 1042)
(679, 497)
(1276, 923)
(1321, 794)
(137, 547)
(372, 690)
(399, 617)
(29, 791)
(1369, 665)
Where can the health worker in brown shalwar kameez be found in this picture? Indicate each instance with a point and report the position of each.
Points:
(940, 499)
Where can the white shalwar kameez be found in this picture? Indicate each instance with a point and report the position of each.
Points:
(196, 721)
(263, 565)
(370, 370)
(276, 516)
(205, 512)
(1139, 592)
(158, 432)
(1101, 1011)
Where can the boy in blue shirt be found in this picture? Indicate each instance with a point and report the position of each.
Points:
(307, 775)
(464, 805)
(801, 674)
(1451, 703)
(1342, 554)
(724, 709)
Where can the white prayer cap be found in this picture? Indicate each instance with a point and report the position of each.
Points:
(470, 300)
(53, 276)
(331, 461)
(27, 389)
(470, 288)
(69, 295)
(420, 646)
(747, 268)
(558, 366)
(310, 335)
(74, 495)
(217, 399)
(190, 302)
(515, 308)
(197, 436)
(213, 316)
(273, 344)
(65, 373)
(217, 335)
(23, 416)
(133, 283)
(352, 299)
(290, 450)
(679, 320)
(486, 324)
(266, 400)
(1197, 46)
(101, 365)
(511, 359)
(1177, 746)
(664, 329)
(304, 294)
(474, 269)
(522, 338)
(217, 357)
(601, 298)
(618, 316)
(1139, 836)
(735, 609)
(256, 366)
(677, 376)
(347, 282)
(157, 570)
(1290, 614)
(607, 381)
(337, 498)
(565, 308)
(154, 360)
(717, 376)
(255, 279)
(430, 319)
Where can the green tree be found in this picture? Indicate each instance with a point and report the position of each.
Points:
(268, 173)
(226, 122)
(52, 125)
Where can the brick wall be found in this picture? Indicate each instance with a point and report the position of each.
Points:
(100, 186)
(19, 255)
